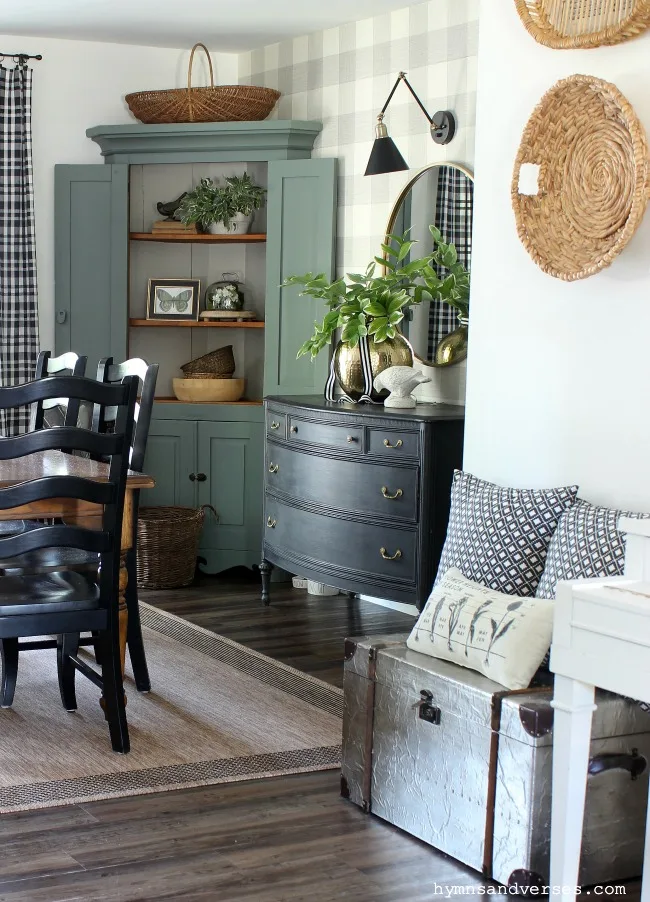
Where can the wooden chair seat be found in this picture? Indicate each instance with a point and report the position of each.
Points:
(48, 560)
(47, 594)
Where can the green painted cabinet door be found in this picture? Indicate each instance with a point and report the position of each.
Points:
(231, 457)
(301, 220)
(91, 234)
(171, 460)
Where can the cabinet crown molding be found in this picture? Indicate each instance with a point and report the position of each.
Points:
(271, 139)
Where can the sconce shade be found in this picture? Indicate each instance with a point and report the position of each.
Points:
(385, 157)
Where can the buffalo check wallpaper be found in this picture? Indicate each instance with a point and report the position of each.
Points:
(342, 77)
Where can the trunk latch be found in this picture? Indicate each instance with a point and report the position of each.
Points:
(426, 710)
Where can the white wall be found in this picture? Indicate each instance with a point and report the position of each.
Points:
(76, 85)
(558, 374)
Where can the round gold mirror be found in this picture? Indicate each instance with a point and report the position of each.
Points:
(442, 195)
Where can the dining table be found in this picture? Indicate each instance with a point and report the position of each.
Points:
(74, 511)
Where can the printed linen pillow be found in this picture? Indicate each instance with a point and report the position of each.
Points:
(498, 536)
(502, 637)
(586, 544)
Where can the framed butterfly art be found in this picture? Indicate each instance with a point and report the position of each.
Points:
(173, 299)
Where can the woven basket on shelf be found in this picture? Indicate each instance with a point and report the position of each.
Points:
(591, 158)
(564, 24)
(223, 103)
(168, 544)
(219, 364)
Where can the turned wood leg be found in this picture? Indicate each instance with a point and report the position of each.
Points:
(123, 611)
(265, 573)
(573, 703)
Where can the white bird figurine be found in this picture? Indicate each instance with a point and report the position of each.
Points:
(400, 382)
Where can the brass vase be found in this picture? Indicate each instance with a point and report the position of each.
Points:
(347, 364)
(453, 347)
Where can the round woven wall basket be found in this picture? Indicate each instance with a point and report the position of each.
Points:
(580, 181)
(564, 24)
(223, 103)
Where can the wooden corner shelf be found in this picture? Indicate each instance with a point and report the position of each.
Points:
(181, 238)
(194, 324)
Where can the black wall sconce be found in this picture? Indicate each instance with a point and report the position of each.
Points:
(385, 157)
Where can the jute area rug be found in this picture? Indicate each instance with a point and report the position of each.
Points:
(218, 712)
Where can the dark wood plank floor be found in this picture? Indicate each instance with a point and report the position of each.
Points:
(290, 839)
(304, 631)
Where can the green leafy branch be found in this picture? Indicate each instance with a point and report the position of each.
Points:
(369, 304)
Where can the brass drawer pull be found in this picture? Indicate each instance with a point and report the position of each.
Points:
(398, 443)
(273, 468)
(390, 557)
(274, 425)
(387, 494)
(270, 522)
(352, 438)
(293, 429)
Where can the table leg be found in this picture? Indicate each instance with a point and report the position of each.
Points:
(125, 545)
(123, 612)
(574, 706)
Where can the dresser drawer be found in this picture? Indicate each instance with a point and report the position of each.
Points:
(276, 424)
(341, 543)
(327, 435)
(352, 485)
(393, 443)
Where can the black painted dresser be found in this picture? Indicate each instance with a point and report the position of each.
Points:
(357, 496)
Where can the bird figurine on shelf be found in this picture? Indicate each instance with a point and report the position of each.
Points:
(400, 382)
(169, 208)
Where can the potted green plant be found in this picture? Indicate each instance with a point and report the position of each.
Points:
(222, 209)
(373, 306)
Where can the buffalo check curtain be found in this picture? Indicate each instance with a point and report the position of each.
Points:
(18, 291)
(454, 208)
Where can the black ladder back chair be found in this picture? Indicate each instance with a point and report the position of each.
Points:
(53, 559)
(66, 603)
(147, 374)
(46, 365)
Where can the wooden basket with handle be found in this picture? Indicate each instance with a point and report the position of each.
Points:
(218, 103)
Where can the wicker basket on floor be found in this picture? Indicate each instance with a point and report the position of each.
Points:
(168, 545)
(223, 103)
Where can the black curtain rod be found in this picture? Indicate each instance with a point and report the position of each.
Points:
(20, 57)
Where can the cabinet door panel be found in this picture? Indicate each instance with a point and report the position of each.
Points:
(301, 225)
(231, 456)
(170, 459)
(91, 261)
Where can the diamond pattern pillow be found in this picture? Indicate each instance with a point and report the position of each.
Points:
(586, 544)
(499, 537)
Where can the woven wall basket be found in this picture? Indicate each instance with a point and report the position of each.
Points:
(223, 103)
(564, 24)
(580, 181)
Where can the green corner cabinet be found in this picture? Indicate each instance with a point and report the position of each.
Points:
(199, 454)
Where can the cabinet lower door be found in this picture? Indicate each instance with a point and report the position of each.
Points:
(230, 455)
(171, 460)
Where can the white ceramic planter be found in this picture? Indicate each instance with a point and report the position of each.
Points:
(239, 225)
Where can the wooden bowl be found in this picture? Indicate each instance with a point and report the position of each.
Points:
(209, 389)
